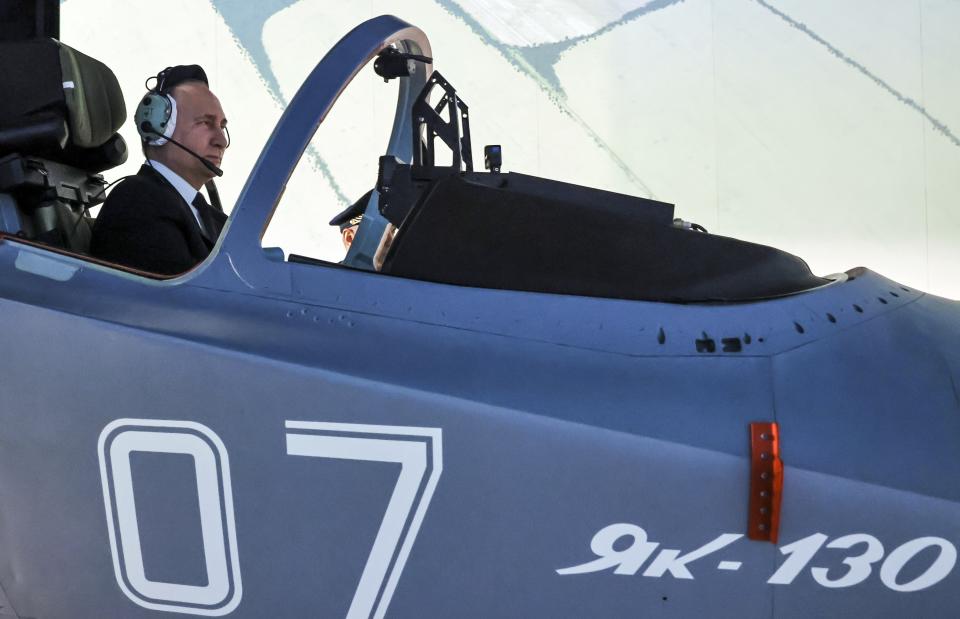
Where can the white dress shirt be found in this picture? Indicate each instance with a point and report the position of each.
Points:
(184, 188)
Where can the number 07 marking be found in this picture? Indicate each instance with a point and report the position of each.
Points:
(418, 451)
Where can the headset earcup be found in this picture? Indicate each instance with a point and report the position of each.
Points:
(156, 117)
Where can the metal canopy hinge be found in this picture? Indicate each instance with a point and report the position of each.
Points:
(766, 481)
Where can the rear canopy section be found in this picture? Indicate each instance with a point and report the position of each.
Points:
(517, 232)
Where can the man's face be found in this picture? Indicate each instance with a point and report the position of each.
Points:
(201, 127)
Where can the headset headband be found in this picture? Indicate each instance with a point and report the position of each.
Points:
(171, 77)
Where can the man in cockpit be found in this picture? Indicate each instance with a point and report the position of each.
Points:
(349, 220)
(157, 220)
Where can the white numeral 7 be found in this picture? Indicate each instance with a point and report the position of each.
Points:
(418, 451)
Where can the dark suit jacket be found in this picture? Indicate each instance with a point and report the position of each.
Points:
(145, 224)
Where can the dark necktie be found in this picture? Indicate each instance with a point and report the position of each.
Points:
(201, 205)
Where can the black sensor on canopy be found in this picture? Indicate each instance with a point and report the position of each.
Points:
(391, 63)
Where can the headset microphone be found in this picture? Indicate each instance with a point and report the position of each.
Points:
(146, 128)
(205, 162)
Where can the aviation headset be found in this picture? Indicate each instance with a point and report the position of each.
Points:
(156, 114)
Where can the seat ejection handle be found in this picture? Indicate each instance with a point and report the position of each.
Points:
(766, 482)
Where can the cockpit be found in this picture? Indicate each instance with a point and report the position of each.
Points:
(449, 224)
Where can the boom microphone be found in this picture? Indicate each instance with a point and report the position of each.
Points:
(148, 129)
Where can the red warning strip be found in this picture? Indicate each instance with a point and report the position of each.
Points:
(766, 481)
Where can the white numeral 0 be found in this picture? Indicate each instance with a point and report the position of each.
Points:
(223, 590)
(934, 574)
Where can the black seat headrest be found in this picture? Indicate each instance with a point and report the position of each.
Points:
(62, 101)
(95, 107)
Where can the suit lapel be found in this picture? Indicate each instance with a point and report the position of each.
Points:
(198, 240)
(212, 219)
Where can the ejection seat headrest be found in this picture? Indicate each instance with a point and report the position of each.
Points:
(95, 107)
(60, 104)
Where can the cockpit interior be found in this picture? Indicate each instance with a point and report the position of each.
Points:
(446, 224)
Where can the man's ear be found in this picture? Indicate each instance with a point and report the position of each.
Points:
(348, 235)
